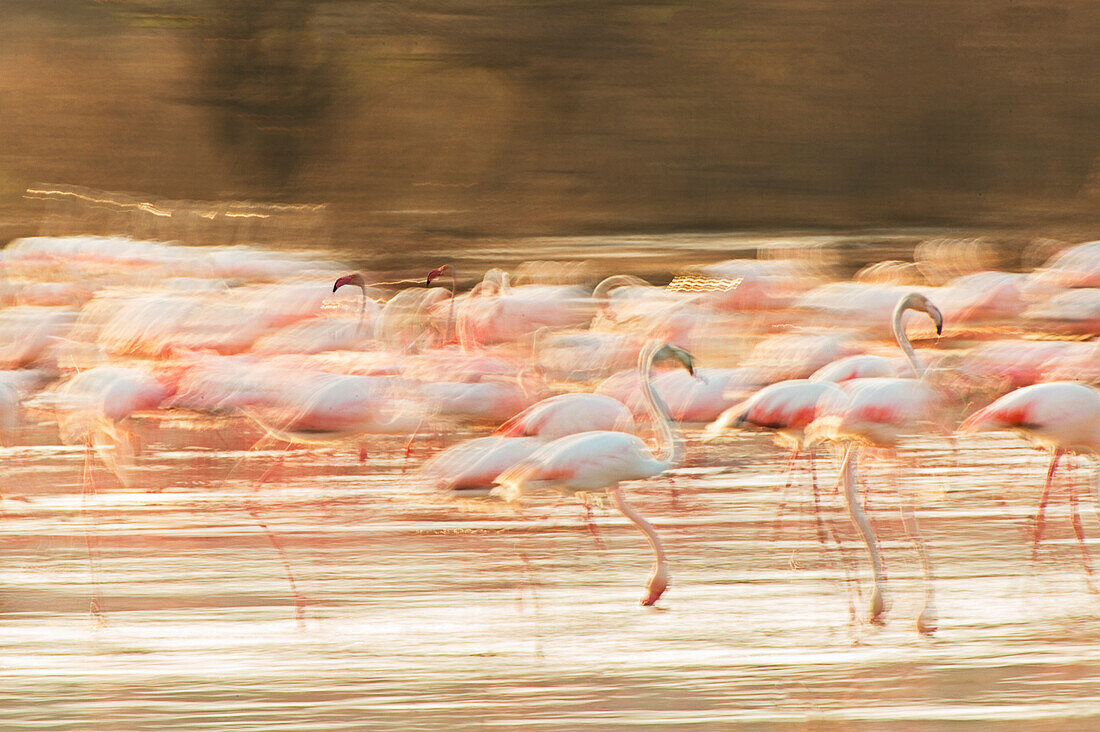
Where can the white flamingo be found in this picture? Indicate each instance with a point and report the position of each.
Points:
(877, 411)
(600, 460)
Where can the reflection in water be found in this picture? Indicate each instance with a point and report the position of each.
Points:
(427, 611)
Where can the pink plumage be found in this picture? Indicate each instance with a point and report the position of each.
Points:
(1061, 415)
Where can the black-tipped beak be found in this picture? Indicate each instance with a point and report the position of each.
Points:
(437, 272)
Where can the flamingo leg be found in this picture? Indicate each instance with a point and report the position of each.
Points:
(818, 522)
(592, 528)
(273, 467)
(1038, 535)
(91, 539)
(408, 453)
(659, 579)
(822, 527)
(1079, 532)
(859, 518)
(253, 510)
(926, 620)
(784, 496)
(409, 444)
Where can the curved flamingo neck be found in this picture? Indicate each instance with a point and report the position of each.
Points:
(670, 445)
(903, 339)
(357, 280)
(601, 293)
(450, 333)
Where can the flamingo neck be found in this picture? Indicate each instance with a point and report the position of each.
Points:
(449, 335)
(903, 339)
(362, 309)
(601, 293)
(670, 445)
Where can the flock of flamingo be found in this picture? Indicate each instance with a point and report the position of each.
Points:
(99, 332)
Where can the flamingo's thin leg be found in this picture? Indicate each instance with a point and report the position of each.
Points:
(91, 538)
(1079, 532)
(253, 510)
(826, 525)
(1038, 535)
(658, 579)
(594, 530)
(927, 619)
(859, 518)
(784, 495)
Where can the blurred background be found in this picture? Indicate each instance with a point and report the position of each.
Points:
(445, 123)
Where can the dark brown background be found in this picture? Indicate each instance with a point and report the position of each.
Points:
(432, 120)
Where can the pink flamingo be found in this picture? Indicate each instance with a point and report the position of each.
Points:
(1062, 416)
(877, 411)
(323, 408)
(698, 397)
(600, 460)
(568, 414)
(94, 409)
(475, 464)
(494, 312)
(859, 366)
(786, 408)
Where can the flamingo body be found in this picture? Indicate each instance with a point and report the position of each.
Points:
(474, 464)
(875, 411)
(859, 366)
(787, 407)
(587, 461)
(481, 400)
(1061, 415)
(599, 460)
(567, 414)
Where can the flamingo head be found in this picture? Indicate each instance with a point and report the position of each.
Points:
(917, 301)
(437, 272)
(669, 352)
(352, 279)
(656, 587)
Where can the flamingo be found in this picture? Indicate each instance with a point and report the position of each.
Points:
(859, 366)
(567, 414)
(494, 312)
(785, 407)
(324, 408)
(448, 333)
(877, 411)
(93, 408)
(698, 397)
(1062, 416)
(474, 464)
(788, 407)
(600, 460)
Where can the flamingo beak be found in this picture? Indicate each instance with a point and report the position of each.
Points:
(675, 353)
(435, 273)
(653, 593)
(937, 318)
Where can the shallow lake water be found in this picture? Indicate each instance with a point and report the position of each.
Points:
(417, 610)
